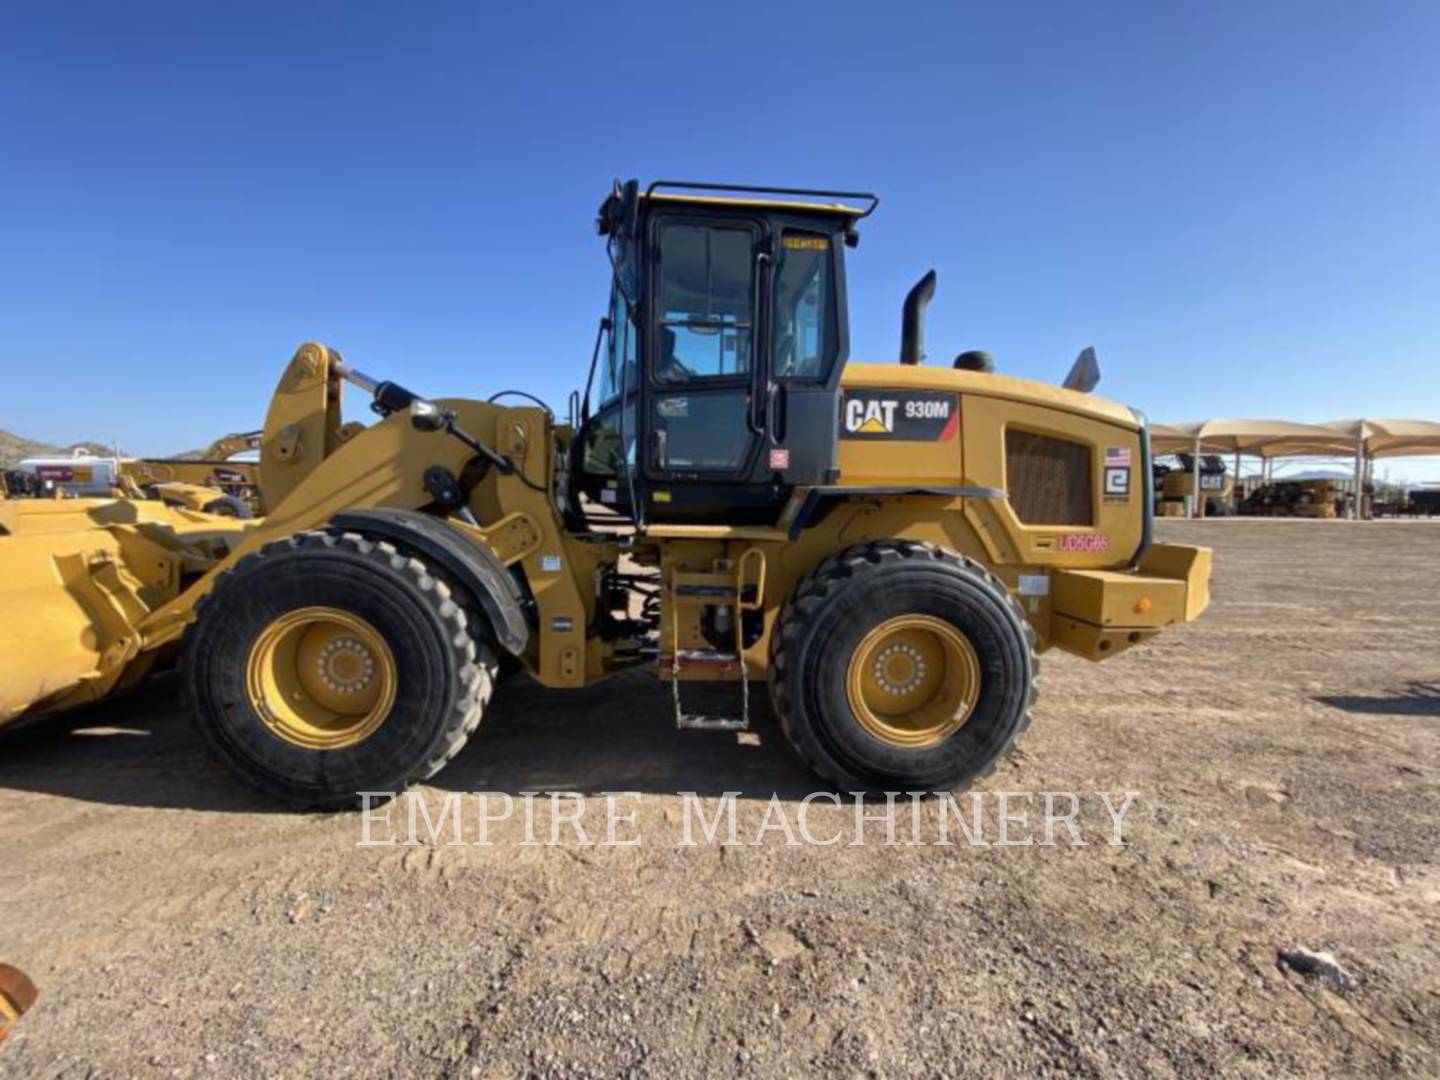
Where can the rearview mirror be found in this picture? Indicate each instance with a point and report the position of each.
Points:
(630, 206)
(1084, 373)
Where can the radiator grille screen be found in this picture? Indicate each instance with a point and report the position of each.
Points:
(1048, 479)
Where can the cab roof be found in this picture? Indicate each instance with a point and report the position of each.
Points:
(842, 204)
(626, 202)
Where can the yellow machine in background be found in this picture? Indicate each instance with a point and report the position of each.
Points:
(17, 995)
(887, 546)
(1176, 486)
(80, 577)
(217, 481)
(1315, 498)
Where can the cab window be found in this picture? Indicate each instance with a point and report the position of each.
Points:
(621, 351)
(610, 442)
(703, 321)
(804, 307)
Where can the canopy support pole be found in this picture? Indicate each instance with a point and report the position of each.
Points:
(1359, 477)
(1235, 485)
(1197, 508)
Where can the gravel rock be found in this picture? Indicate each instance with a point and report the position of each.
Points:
(1318, 965)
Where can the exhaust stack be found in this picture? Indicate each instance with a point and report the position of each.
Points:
(912, 322)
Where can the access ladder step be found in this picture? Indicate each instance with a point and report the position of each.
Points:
(724, 589)
(697, 722)
(708, 656)
(710, 705)
(709, 660)
(727, 591)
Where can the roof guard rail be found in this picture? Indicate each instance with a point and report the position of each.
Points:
(688, 185)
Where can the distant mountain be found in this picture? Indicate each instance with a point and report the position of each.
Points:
(14, 447)
(1318, 474)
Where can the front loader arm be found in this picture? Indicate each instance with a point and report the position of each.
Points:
(379, 466)
(383, 467)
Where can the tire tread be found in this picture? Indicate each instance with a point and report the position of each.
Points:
(472, 657)
(811, 595)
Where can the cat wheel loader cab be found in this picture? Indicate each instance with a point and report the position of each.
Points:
(724, 346)
(889, 547)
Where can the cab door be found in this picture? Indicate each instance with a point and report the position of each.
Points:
(705, 352)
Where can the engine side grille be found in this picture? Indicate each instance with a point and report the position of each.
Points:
(1048, 479)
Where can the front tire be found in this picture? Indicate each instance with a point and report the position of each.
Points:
(330, 664)
(898, 665)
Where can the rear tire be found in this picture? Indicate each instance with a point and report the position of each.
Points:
(408, 645)
(829, 639)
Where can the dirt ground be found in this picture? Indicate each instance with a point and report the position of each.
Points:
(1285, 752)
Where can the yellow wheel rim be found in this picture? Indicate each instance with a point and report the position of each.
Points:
(913, 681)
(321, 678)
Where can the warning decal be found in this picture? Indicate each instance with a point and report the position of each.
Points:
(901, 415)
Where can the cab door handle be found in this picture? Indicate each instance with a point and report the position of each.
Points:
(755, 415)
(775, 412)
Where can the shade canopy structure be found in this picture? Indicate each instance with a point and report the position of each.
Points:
(1285, 438)
(1364, 439)
(1227, 436)
(1391, 438)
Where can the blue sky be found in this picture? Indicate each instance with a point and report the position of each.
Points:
(1235, 203)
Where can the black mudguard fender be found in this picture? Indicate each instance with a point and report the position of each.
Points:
(473, 567)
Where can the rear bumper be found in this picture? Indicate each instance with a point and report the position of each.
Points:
(1097, 613)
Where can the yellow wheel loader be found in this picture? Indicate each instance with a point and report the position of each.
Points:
(730, 502)
(214, 482)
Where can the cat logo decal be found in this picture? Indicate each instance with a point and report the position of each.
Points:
(902, 415)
